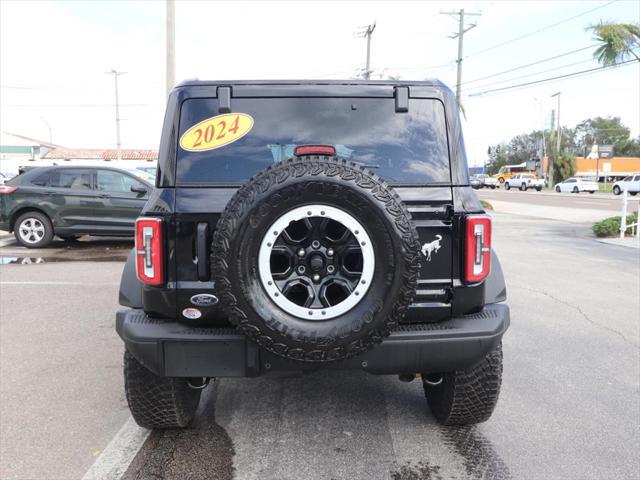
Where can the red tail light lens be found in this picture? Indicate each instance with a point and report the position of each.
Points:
(315, 150)
(477, 258)
(7, 189)
(149, 255)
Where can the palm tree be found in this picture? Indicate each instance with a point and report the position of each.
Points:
(617, 42)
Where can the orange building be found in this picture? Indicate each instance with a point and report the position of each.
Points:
(611, 168)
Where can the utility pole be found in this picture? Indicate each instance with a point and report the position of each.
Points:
(49, 127)
(171, 46)
(116, 74)
(558, 139)
(366, 33)
(460, 36)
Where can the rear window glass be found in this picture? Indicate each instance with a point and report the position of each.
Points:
(401, 147)
(73, 179)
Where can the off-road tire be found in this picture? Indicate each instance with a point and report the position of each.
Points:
(46, 223)
(290, 184)
(158, 402)
(468, 396)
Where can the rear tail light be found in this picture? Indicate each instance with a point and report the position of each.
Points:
(477, 259)
(7, 189)
(315, 150)
(149, 254)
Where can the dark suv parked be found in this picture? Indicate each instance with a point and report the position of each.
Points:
(70, 202)
(304, 225)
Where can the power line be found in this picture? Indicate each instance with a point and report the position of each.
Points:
(529, 64)
(511, 79)
(544, 80)
(501, 44)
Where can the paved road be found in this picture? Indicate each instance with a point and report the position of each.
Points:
(583, 201)
(569, 406)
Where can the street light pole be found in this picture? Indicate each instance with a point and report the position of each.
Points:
(171, 46)
(115, 77)
(558, 140)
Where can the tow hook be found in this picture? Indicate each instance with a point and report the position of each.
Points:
(193, 383)
(433, 379)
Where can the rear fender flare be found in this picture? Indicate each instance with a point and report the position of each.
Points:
(130, 287)
(495, 290)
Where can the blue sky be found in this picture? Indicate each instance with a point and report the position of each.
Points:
(53, 56)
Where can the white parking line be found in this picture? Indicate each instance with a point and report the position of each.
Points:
(118, 455)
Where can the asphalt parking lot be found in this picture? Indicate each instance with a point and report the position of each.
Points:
(570, 404)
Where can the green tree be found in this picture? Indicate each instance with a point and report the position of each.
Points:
(606, 131)
(564, 166)
(617, 42)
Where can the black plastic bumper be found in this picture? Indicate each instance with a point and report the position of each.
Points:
(176, 350)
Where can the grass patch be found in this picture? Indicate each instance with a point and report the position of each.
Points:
(486, 205)
(610, 227)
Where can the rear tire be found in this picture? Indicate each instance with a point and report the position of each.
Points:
(467, 396)
(593, 191)
(538, 189)
(33, 230)
(631, 193)
(575, 190)
(158, 402)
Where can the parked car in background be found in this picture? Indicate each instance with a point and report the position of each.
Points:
(488, 181)
(524, 181)
(71, 201)
(577, 185)
(631, 184)
(476, 182)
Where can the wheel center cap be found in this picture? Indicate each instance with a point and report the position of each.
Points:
(316, 262)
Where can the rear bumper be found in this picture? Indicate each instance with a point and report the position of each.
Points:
(176, 350)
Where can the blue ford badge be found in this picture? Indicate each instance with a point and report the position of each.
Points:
(204, 300)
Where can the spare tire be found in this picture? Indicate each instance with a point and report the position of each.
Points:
(315, 259)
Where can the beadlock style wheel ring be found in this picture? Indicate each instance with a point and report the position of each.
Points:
(316, 262)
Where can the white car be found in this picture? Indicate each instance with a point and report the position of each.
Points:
(523, 181)
(577, 185)
(487, 181)
(631, 184)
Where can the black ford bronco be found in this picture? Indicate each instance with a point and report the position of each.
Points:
(300, 225)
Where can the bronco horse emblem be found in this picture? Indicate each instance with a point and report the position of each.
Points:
(429, 248)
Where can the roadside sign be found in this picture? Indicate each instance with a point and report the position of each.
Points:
(605, 151)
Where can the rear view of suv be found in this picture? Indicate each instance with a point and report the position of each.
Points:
(297, 226)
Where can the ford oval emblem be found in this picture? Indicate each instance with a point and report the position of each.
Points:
(204, 300)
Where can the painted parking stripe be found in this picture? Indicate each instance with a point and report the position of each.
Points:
(118, 455)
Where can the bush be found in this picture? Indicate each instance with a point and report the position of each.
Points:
(610, 227)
